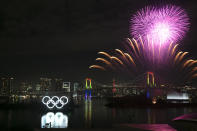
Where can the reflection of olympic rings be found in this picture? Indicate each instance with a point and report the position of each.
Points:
(55, 101)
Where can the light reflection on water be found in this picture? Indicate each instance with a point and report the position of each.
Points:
(90, 114)
(54, 120)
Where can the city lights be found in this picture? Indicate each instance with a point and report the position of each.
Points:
(177, 96)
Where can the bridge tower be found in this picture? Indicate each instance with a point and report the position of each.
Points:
(150, 79)
(88, 88)
(150, 84)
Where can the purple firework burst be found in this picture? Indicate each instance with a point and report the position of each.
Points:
(162, 25)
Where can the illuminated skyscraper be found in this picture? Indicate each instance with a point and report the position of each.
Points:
(66, 86)
(38, 87)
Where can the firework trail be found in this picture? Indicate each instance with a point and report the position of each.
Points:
(135, 61)
(193, 71)
(188, 63)
(97, 66)
(130, 58)
(103, 60)
(192, 63)
(177, 56)
(132, 46)
(119, 51)
(182, 56)
(105, 54)
(174, 49)
(117, 60)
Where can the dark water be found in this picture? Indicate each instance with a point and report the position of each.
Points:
(91, 114)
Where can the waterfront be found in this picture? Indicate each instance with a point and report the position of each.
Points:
(92, 114)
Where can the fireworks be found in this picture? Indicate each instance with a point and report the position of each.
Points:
(155, 31)
(162, 25)
(135, 61)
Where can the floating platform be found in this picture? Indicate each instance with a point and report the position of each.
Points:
(142, 101)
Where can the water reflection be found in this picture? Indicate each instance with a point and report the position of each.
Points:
(151, 127)
(90, 114)
(151, 116)
(88, 111)
(113, 113)
(57, 120)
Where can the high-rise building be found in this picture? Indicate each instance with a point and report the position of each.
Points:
(38, 87)
(66, 86)
(6, 85)
(30, 87)
(58, 84)
(46, 84)
(76, 86)
(23, 87)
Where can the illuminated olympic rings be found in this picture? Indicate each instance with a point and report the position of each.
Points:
(55, 101)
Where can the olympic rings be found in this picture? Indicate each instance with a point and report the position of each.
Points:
(55, 101)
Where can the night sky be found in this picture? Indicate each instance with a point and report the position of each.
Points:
(61, 38)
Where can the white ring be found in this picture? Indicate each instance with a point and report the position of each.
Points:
(44, 99)
(55, 100)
